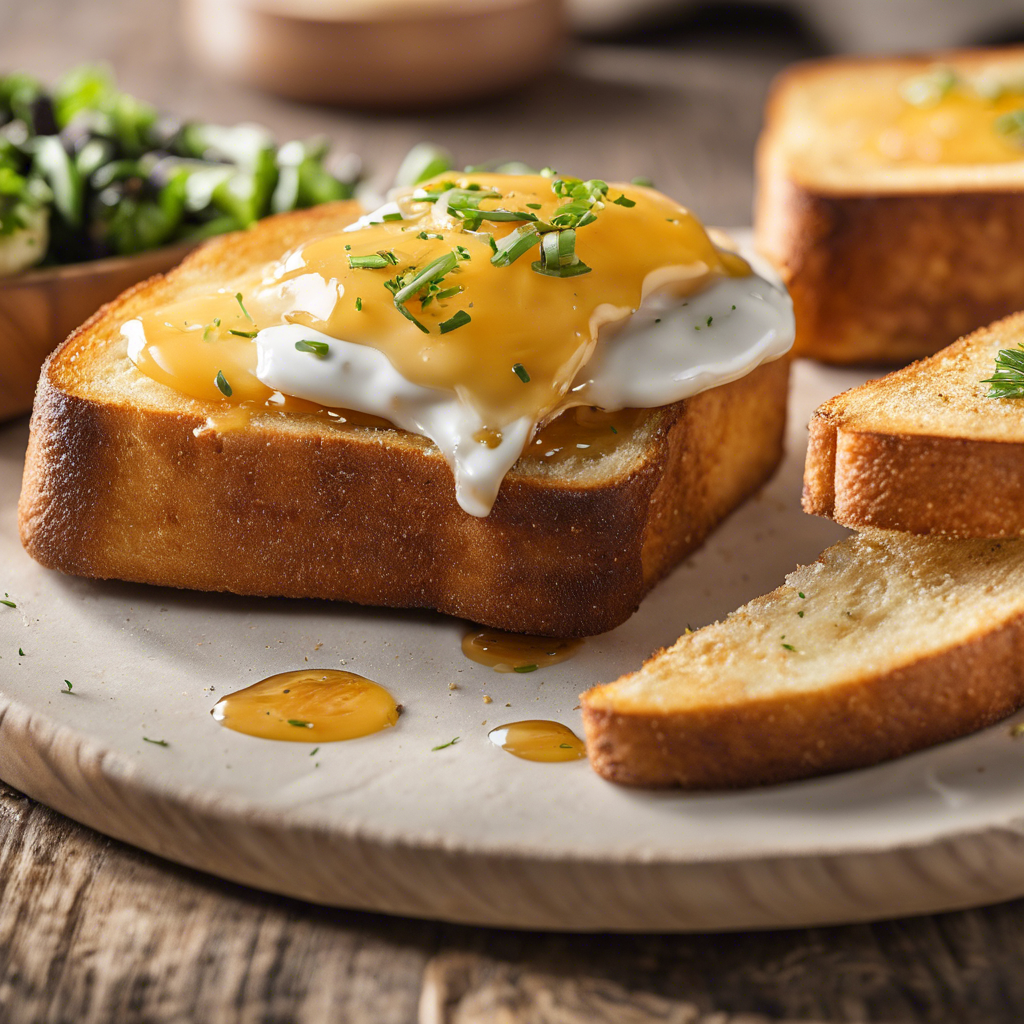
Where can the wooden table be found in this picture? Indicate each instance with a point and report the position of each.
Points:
(92, 931)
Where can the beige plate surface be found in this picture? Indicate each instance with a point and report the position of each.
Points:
(470, 833)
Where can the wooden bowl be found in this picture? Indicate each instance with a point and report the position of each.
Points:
(377, 53)
(40, 308)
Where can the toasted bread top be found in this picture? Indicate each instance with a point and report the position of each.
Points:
(870, 606)
(829, 125)
(940, 396)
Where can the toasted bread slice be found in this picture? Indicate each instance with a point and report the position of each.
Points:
(925, 449)
(888, 643)
(885, 260)
(122, 481)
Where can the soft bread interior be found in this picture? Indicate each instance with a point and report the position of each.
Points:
(870, 606)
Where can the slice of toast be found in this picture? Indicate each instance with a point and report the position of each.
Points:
(925, 449)
(885, 261)
(888, 643)
(122, 481)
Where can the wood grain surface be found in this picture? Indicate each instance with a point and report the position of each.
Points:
(94, 932)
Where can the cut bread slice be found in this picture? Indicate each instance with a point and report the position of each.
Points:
(126, 478)
(887, 259)
(888, 643)
(925, 449)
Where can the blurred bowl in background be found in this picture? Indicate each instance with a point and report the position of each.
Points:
(846, 26)
(40, 308)
(377, 53)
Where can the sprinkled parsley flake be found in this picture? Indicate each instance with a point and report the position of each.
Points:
(520, 371)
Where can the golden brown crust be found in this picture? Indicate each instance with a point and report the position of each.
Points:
(923, 449)
(796, 736)
(115, 490)
(878, 275)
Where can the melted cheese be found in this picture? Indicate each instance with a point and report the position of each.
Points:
(313, 328)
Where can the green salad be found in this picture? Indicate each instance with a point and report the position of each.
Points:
(87, 171)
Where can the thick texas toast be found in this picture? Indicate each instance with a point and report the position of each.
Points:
(925, 449)
(886, 259)
(888, 643)
(123, 481)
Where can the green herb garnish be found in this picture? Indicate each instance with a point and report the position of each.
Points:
(520, 371)
(1008, 380)
(524, 668)
(317, 348)
(442, 746)
(789, 647)
(623, 201)
(243, 334)
(375, 261)
(222, 384)
(299, 723)
(459, 319)
(393, 216)
(67, 683)
(241, 306)
(208, 329)
(156, 743)
(359, 304)
(313, 751)
(10, 604)
(21, 653)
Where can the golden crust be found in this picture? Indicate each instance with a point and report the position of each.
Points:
(958, 471)
(126, 485)
(897, 643)
(861, 723)
(886, 272)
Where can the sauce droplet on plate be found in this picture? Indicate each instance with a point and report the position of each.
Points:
(514, 652)
(539, 740)
(308, 706)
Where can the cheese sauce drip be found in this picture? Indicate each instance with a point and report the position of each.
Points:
(480, 354)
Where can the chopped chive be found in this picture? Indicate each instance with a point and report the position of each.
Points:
(710, 318)
(241, 305)
(423, 235)
(525, 668)
(565, 746)
(313, 751)
(460, 319)
(614, 431)
(21, 653)
(222, 384)
(520, 371)
(209, 328)
(375, 261)
(574, 270)
(317, 348)
(359, 304)
(156, 743)
(533, 206)
(623, 201)
(800, 593)
(243, 334)
(442, 746)
(464, 253)
(800, 614)
(299, 723)
(348, 248)
(515, 244)
(10, 604)
(67, 683)
(789, 647)
(393, 216)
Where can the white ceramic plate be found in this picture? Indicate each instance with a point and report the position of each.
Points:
(470, 833)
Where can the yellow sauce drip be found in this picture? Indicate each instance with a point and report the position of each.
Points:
(514, 652)
(309, 706)
(546, 325)
(539, 740)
